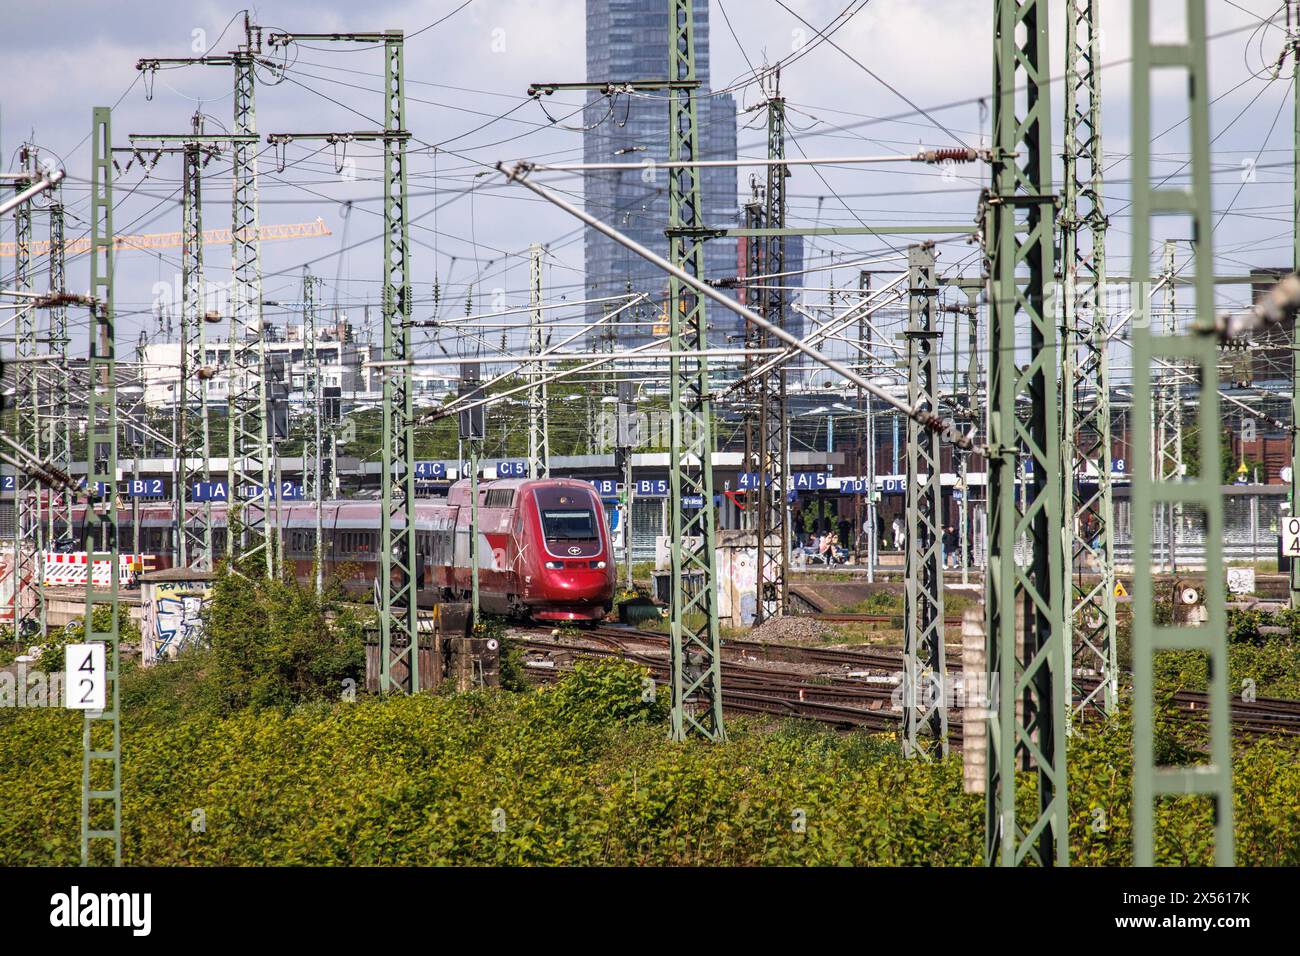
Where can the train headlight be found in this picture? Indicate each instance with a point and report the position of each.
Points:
(555, 565)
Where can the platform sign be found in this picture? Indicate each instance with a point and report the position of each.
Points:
(1291, 537)
(144, 488)
(692, 501)
(810, 481)
(430, 470)
(652, 488)
(209, 491)
(512, 469)
(853, 486)
(85, 680)
(289, 491)
(8, 482)
(605, 487)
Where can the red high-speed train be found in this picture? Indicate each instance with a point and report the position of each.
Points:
(544, 545)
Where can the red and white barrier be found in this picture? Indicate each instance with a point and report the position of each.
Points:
(72, 569)
(65, 570)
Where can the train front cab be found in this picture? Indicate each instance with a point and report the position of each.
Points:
(573, 575)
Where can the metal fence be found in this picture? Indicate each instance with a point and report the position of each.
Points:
(1252, 519)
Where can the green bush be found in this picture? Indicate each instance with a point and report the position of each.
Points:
(577, 773)
(243, 752)
(52, 657)
(276, 644)
(1273, 665)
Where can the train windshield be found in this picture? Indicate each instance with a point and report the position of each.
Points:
(569, 524)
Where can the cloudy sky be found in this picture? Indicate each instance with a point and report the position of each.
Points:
(922, 68)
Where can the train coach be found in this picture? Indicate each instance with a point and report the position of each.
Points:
(545, 551)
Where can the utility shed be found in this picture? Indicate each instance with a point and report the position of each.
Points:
(172, 604)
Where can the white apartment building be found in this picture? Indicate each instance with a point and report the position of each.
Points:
(342, 364)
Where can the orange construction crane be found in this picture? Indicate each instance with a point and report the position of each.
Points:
(172, 240)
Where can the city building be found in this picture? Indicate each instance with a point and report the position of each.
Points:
(342, 363)
(628, 40)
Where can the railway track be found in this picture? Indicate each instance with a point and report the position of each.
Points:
(890, 620)
(746, 688)
(847, 689)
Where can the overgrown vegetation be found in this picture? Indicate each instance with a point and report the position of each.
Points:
(275, 644)
(1259, 662)
(251, 751)
(577, 773)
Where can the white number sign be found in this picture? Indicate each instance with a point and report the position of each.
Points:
(86, 679)
(1291, 537)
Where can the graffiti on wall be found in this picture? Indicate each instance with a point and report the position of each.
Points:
(173, 617)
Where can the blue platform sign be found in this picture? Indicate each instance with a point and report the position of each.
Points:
(289, 491)
(144, 488)
(512, 469)
(810, 481)
(652, 488)
(209, 491)
(430, 469)
(692, 501)
(748, 481)
(853, 486)
(605, 487)
(8, 482)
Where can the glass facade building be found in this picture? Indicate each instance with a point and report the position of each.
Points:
(628, 40)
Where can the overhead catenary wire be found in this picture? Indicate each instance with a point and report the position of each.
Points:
(924, 418)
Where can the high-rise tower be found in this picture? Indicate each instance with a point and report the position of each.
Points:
(628, 40)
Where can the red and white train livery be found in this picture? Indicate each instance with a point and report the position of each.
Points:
(544, 545)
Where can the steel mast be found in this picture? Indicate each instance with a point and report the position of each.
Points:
(925, 711)
(1089, 635)
(773, 443)
(101, 737)
(1024, 607)
(694, 644)
(1198, 346)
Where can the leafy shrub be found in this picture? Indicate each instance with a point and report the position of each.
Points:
(52, 657)
(578, 773)
(276, 644)
(1272, 665)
